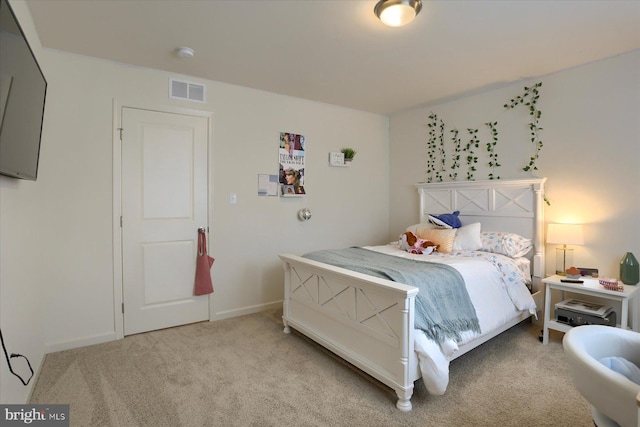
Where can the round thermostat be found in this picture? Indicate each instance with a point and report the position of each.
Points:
(304, 214)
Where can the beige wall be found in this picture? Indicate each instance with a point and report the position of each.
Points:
(59, 292)
(22, 280)
(56, 253)
(349, 205)
(591, 153)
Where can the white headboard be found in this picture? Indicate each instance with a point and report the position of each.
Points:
(515, 206)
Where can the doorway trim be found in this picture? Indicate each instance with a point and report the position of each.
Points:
(117, 106)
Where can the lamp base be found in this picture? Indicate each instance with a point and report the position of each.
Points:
(564, 260)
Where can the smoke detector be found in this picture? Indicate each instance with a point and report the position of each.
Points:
(185, 52)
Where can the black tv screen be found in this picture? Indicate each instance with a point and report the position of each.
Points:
(22, 94)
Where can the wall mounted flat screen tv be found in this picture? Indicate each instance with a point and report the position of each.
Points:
(23, 90)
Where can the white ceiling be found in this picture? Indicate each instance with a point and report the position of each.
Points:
(337, 51)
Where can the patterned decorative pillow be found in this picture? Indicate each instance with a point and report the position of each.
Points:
(443, 237)
(509, 244)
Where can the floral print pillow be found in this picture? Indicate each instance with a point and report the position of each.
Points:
(509, 244)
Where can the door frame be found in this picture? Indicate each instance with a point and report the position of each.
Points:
(117, 106)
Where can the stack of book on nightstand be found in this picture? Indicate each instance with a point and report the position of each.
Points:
(575, 313)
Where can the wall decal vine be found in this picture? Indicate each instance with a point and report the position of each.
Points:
(441, 171)
(457, 149)
(472, 159)
(431, 146)
(491, 149)
(437, 153)
(436, 149)
(530, 99)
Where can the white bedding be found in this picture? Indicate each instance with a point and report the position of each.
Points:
(496, 286)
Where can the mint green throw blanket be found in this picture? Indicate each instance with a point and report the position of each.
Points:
(443, 307)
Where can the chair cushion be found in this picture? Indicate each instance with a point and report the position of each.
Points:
(622, 366)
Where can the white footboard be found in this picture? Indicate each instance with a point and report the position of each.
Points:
(365, 320)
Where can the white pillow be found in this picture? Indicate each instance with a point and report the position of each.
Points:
(468, 238)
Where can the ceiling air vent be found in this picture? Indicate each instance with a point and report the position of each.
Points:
(188, 91)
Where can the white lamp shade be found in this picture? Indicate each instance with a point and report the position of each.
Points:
(565, 234)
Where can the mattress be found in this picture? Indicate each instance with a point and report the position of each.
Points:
(497, 286)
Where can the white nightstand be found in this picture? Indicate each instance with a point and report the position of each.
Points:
(589, 287)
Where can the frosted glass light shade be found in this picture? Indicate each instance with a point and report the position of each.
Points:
(396, 13)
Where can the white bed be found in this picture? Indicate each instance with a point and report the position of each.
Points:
(369, 321)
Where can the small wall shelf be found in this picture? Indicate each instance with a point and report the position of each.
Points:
(336, 159)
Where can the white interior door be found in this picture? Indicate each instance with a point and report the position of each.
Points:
(164, 202)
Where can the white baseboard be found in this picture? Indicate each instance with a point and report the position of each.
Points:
(111, 336)
(80, 342)
(245, 310)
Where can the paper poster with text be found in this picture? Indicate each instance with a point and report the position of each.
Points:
(291, 153)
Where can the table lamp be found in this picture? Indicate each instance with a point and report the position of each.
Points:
(564, 234)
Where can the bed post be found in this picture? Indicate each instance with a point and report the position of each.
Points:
(538, 237)
(287, 296)
(404, 399)
(405, 392)
(423, 206)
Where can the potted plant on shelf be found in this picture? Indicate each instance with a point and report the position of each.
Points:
(349, 154)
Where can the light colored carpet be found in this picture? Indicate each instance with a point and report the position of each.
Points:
(247, 372)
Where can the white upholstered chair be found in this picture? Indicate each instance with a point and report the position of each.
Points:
(613, 397)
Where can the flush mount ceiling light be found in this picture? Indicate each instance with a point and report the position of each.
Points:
(185, 52)
(396, 13)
